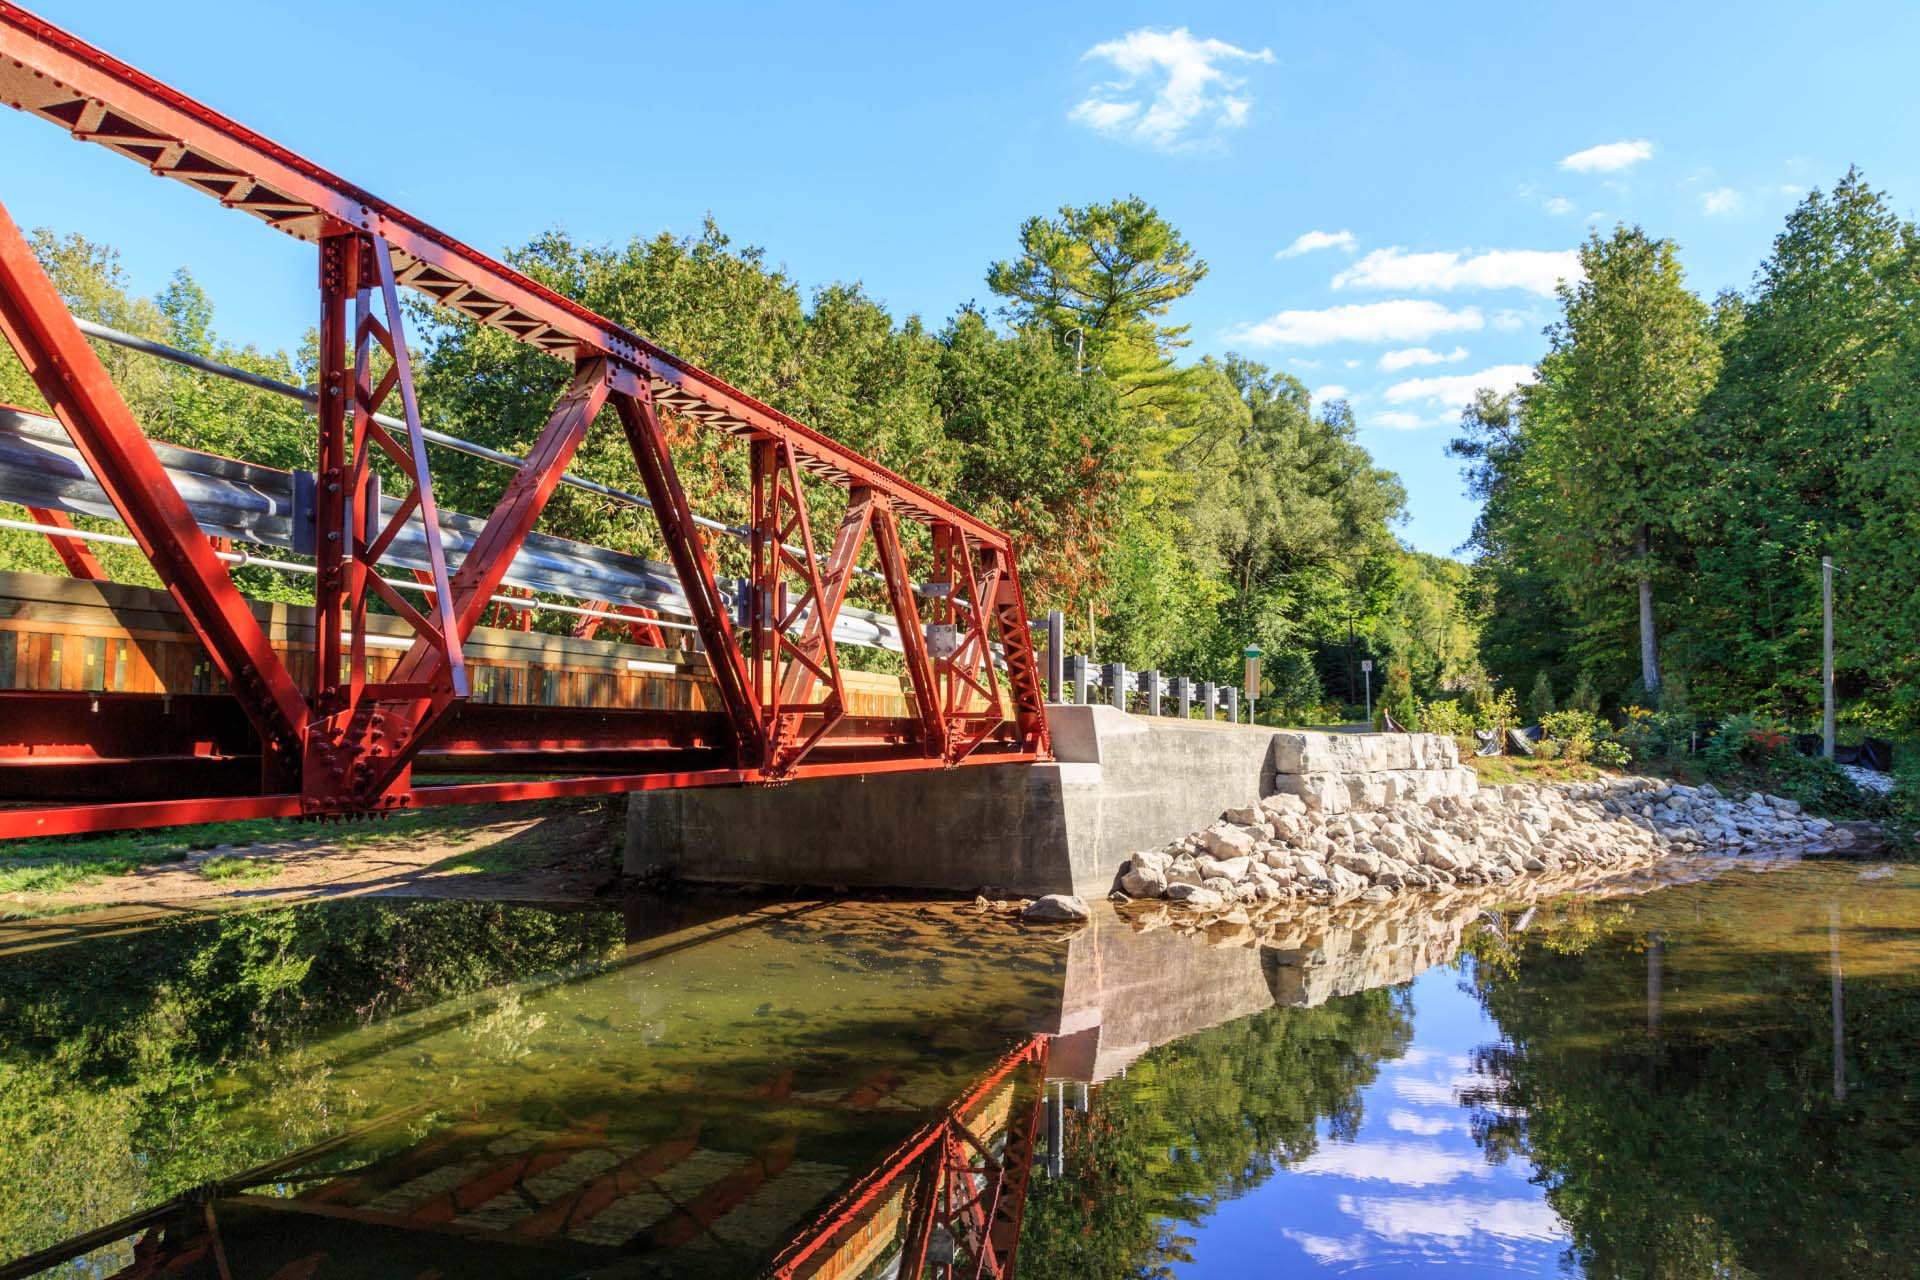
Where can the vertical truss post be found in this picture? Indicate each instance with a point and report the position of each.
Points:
(682, 536)
(74, 553)
(339, 272)
(913, 638)
(359, 748)
(35, 323)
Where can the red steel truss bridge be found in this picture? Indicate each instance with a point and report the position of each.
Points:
(128, 707)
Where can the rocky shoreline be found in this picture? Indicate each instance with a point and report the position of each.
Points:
(1291, 848)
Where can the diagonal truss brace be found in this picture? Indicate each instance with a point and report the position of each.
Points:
(785, 667)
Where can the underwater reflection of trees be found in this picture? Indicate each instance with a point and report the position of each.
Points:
(1199, 1121)
(113, 1054)
(1680, 1097)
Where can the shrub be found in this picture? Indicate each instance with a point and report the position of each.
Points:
(1549, 749)
(1655, 735)
(1575, 731)
(1612, 754)
(1816, 782)
(1745, 739)
(1495, 710)
(1448, 716)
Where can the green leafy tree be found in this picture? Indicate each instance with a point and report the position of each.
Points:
(1630, 360)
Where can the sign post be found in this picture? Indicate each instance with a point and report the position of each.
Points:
(1252, 654)
(1366, 667)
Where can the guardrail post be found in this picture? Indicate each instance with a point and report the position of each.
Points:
(1183, 690)
(1056, 656)
(1210, 698)
(1233, 705)
(1082, 675)
(1151, 680)
(1116, 678)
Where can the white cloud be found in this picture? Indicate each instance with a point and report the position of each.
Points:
(1508, 318)
(1608, 157)
(1328, 1249)
(1407, 357)
(1401, 1219)
(1401, 320)
(1396, 420)
(1559, 206)
(1332, 391)
(1455, 391)
(1535, 270)
(1722, 200)
(1404, 1163)
(1794, 189)
(1170, 82)
(1314, 241)
(1427, 1126)
(1104, 117)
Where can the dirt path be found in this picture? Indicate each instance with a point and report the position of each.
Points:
(521, 851)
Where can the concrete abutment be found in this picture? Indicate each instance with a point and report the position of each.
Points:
(1119, 784)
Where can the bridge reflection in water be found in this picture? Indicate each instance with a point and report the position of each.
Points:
(802, 1089)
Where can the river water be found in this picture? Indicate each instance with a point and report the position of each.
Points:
(1712, 1078)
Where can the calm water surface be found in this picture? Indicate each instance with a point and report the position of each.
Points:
(1708, 1079)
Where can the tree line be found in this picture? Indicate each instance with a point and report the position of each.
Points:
(1657, 503)
(1174, 510)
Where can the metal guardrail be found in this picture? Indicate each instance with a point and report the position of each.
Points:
(1149, 692)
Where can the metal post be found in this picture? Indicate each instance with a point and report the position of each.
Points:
(1115, 674)
(1367, 667)
(1057, 1130)
(1056, 656)
(1082, 674)
(1233, 705)
(1152, 679)
(1826, 657)
(1210, 696)
(1183, 690)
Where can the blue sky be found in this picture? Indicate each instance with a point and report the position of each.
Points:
(1449, 155)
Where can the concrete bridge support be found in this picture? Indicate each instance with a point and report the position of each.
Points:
(1119, 784)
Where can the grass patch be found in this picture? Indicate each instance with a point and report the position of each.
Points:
(229, 867)
(1500, 771)
(56, 864)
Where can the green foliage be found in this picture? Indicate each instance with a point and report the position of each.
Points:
(1495, 708)
(1396, 697)
(1449, 716)
(1655, 735)
(1611, 753)
(1584, 696)
(1540, 702)
(1740, 441)
(1575, 731)
(1290, 685)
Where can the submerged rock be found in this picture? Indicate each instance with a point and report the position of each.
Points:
(1055, 908)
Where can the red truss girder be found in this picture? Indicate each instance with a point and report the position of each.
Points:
(348, 743)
